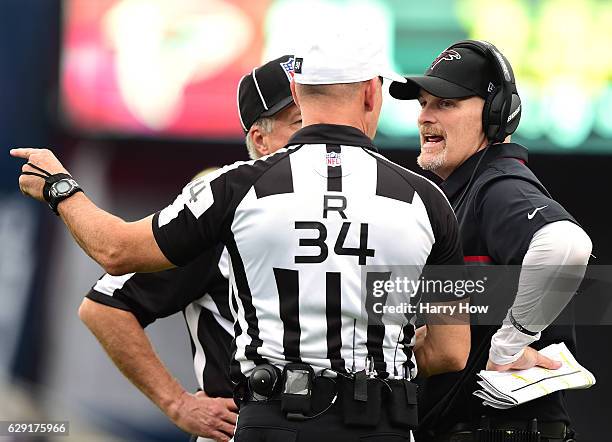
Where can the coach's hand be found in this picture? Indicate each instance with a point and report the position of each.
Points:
(43, 158)
(204, 416)
(529, 358)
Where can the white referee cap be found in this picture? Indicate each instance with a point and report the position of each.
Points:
(342, 52)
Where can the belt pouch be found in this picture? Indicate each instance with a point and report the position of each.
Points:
(359, 409)
(297, 388)
(402, 406)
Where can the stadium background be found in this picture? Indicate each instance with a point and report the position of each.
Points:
(136, 96)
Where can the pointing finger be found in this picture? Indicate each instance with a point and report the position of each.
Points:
(22, 152)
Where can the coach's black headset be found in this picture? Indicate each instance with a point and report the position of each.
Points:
(502, 109)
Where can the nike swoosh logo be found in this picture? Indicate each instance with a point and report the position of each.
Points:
(532, 214)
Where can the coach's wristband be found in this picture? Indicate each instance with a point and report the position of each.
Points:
(508, 344)
(518, 326)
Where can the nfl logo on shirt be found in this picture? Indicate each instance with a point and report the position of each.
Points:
(333, 159)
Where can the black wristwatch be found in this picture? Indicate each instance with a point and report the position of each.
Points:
(58, 187)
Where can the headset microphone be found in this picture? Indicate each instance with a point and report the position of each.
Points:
(467, 186)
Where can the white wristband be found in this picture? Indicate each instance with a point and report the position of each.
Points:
(508, 344)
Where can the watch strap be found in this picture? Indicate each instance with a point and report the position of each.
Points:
(53, 201)
(50, 179)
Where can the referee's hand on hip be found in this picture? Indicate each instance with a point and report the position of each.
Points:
(45, 159)
(199, 414)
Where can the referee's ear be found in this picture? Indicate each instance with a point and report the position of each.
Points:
(294, 94)
(370, 102)
(258, 141)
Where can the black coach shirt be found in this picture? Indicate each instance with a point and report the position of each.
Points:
(299, 226)
(504, 206)
(201, 291)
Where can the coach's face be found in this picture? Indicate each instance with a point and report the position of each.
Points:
(450, 132)
(286, 123)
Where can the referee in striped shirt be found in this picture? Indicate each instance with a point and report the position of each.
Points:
(117, 308)
(299, 226)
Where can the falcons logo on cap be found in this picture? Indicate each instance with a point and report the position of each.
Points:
(448, 55)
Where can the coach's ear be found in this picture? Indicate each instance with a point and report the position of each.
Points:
(259, 141)
(294, 94)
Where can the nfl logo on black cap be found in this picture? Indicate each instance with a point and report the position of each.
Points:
(265, 91)
(288, 68)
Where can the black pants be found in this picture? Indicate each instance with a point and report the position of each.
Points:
(264, 422)
(550, 432)
(458, 438)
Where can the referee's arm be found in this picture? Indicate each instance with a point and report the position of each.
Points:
(443, 344)
(125, 342)
(119, 247)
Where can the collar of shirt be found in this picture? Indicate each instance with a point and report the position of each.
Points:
(461, 175)
(332, 134)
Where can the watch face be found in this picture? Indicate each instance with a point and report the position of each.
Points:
(62, 186)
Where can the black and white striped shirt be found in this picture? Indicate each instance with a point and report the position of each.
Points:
(299, 226)
(200, 291)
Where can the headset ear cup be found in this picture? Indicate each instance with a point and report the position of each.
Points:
(490, 115)
(515, 115)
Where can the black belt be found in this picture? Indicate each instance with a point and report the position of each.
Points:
(502, 430)
(362, 400)
(323, 391)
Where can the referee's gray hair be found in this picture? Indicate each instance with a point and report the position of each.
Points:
(265, 125)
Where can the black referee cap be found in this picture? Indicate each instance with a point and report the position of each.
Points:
(265, 91)
(455, 73)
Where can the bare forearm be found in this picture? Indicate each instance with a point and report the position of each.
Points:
(128, 346)
(90, 226)
(424, 355)
(420, 352)
(119, 247)
(429, 361)
(441, 348)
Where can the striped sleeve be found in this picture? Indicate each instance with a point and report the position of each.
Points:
(151, 296)
(201, 215)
